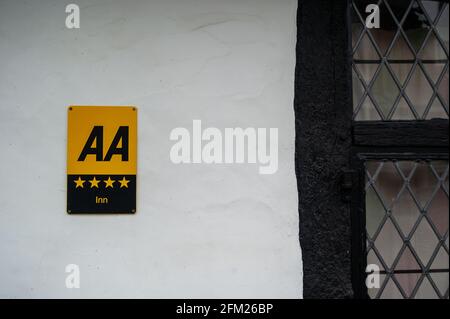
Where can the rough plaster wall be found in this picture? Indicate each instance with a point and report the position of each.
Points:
(200, 230)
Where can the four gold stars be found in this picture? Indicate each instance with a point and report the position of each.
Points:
(79, 183)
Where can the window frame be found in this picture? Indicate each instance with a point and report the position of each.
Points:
(330, 148)
(384, 61)
(358, 209)
(385, 140)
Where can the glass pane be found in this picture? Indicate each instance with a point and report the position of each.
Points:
(374, 292)
(404, 63)
(426, 290)
(407, 216)
(391, 291)
(407, 261)
(389, 237)
(408, 282)
(424, 241)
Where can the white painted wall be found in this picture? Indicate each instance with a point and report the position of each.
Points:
(200, 230)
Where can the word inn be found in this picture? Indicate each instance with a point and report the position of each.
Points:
(235, 145)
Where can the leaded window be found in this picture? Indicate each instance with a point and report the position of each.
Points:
(400, 70)
(400, 94)
(407, 227)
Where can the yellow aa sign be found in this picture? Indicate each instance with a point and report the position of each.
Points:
(101, 159)
(102, 140)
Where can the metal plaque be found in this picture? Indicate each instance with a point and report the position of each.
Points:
(101, 159)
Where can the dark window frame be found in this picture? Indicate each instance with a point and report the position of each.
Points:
(389, 140)
(330, 148)
(360, 155)
(384, 61)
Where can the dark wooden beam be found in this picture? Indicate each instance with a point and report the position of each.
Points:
(401, 133)
(323, 117)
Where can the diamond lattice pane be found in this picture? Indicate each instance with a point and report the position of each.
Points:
(426, 291)
(375, 212)
(385, 91)
(391, 291)
(406, 56)
(438, 212)
(408, 282)
(441, 280)
(424, 241)
(374, 291)
(407, 218)
(442, 26)
(423, 183)
(420, 98)
(389, 237)
(405, 212)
